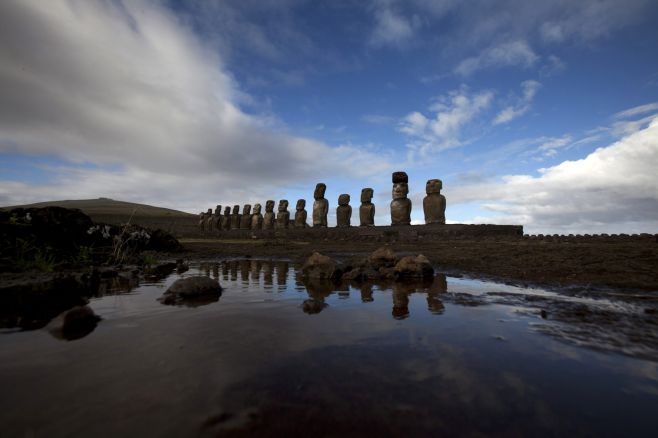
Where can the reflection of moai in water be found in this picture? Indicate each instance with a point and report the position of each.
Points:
(400, 205)
(236, 217)
(434, 204)
(283, 217)
(226, 219)
(268, 219)
(343, 211)
(320, 206)
(367, 208)
(300, 214)
(438, 287)
(245, 220)
(256, 218)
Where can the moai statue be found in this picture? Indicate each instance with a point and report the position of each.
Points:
(268, 219)
(367, 209)
(209, 220)
(245, 221)
(320, 206)
(400, 205)
(202, 221)
(236, 218)
(300, 214)
(344, 211)
(434, 204)
(226, 219)
(283, 217)
(256, 218)
(217, 218)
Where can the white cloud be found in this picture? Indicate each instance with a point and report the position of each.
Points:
(529, 89)
(443, 129)
(514, 53)
(126, 85)
(631, 112)
(391, 28)
(613, 189)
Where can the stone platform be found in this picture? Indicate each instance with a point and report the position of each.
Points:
(402, 233)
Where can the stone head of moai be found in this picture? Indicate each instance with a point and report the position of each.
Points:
(246, 209)
(301, 204)
(283, 205)
(236, 209)
(366, 195)
(256, 208)
(227, 210)
(218, 210)
(344, 199)
(209, 212)
(433, 186)
(400, 190)
(269, 206)
(320, 188)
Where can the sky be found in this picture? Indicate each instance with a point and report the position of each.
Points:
(542, 114)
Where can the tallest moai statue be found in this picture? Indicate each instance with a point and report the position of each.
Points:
(320, 206)
(400, 205)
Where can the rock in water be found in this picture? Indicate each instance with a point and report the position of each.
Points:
(382, 257)
(414, 267)
(319, 266)
(74, 323)
(192, 292)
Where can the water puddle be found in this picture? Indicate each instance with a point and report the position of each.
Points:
(278, 356)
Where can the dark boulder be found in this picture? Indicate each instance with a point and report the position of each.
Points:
(192, 292)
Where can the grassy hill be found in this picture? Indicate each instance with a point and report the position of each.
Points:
(110, 211)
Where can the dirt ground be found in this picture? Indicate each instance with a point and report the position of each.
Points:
(617, 263)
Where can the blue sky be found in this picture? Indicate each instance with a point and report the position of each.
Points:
(543, 114)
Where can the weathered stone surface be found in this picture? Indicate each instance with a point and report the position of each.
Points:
(319, 266)
(320, 206)
(226, 219)
(236, 218)
(400, 205)
(217, 218)
(400, 177)
(283, 217)
(245, 220)
(74, 323)
(300, 214)
(268, 218)
(414, 267)
(256, 218)
(192, 291)
(434, 204)
(343, 211)
(367, 208)
(202, 221)
(382, 257)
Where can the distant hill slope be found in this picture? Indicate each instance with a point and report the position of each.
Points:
(118, 212)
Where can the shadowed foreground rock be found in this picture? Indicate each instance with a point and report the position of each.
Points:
(413, 267)
(192, 292)
(74, 323)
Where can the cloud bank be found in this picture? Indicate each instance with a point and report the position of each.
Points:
(128, 88)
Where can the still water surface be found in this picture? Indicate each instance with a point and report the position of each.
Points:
(274, 356)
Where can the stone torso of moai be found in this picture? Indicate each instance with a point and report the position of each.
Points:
(434, 204)
(268, 219)
(209, 220)
(343, 211)
(256, 218)
(300, 214)
(217, 218)
(202, 221)
(283, 217)
(236, 217)
(320, 206)
(400, 205)
(226, 219)
(245, 221)
(367, 209)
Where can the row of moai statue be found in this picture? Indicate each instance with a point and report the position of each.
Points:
(434, 207)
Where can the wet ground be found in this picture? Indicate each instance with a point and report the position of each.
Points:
(276, 356)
